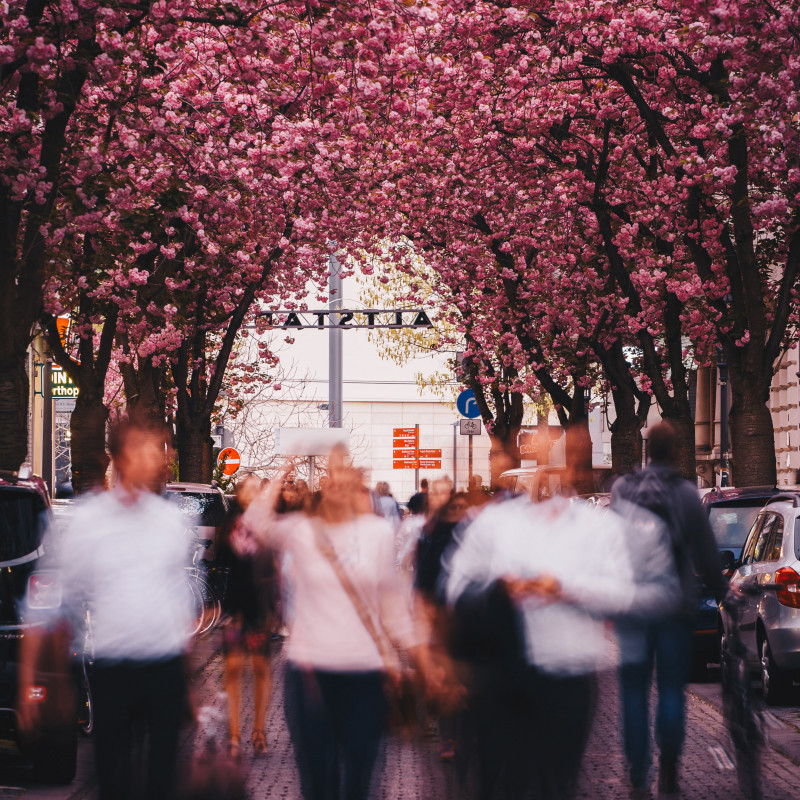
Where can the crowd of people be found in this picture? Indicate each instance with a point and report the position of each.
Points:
(490, 610)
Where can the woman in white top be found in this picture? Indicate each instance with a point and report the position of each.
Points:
(335, 706)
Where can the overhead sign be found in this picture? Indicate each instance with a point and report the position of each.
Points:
(469, 427)
(348, 318)
(467, 404)
(232, 460)
(310, 441)
(61, 384)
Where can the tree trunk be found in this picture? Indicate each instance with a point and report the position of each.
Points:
(626, 445)
(683, 423)
(578, 445)
(752, 434)
(14, 389)
(88, 444)
(504, 454)
(194, 449)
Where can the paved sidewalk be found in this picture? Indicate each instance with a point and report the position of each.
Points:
(410, 770)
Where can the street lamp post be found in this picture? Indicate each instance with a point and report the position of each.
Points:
(722, 371)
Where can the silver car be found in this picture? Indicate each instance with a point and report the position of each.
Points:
(768, 575)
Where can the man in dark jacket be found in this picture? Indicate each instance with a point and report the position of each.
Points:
(664, 641)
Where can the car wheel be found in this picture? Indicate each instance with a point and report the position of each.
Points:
(775, 683)
(56, 758)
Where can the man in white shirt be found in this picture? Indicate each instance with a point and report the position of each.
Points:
(123, 558)
(564, 566)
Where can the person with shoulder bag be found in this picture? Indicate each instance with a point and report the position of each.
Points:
(350, 614)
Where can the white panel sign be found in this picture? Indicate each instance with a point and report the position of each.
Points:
(310, 441)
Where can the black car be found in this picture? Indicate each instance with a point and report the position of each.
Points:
(28, 598)
(731, 513)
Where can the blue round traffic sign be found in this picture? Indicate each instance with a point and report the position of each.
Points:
(467, 404)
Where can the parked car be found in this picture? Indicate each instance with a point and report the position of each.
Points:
(546, 481)
(28, 598)
(205, 508)
(768, 575)
(731, 513)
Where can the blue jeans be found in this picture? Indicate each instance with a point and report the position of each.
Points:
(667, 645)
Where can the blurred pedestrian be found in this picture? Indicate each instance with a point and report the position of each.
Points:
(475, 493)
(348, 604)
(535, 625)
(664, 641)
(417, 503)
(249, 604)
(435, 539)
(123, 557)
(387, 506)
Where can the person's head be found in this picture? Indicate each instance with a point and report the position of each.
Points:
(382, 488)
(439, 494)
(455, 508)
(423, 485)
(138, 450)
(417, 504)
(661, 444)
(343, 495)
(247, 490)
(475, 483)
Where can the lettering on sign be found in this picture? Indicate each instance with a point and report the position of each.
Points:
(430, 463)
(61, 384)
(405, 464)
(348, 318)
(430, 454)
(405, 433)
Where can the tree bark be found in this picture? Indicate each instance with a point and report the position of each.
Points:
(751, 431)
(88, 429)
(579, 444)
(194, 449)
(682, 421)
(14, 388)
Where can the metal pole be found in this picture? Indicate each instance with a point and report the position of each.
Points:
(416, 458)
(47, 426)
(722, 368)
(311, 473)
(334, 345)
(455, 458)
(469, 480)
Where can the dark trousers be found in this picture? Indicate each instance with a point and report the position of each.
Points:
(530, 734)
(665, 644)
(336, 722)
(140, 707)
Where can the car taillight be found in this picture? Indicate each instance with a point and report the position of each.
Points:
(36, 694)
(787, 584)
(44, 591)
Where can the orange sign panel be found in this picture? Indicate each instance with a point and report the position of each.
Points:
(404, 433)
(230, 456)
(404, 452)
(430, 453)
(406, 463)
(430, 463)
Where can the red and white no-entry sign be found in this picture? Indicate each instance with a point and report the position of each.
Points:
(230, 455)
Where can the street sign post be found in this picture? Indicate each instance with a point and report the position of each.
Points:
(467, 404)
(231, 458)
(470, 427)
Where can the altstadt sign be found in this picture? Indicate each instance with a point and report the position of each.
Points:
(349, 318)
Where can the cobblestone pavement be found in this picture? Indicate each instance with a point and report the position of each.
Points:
(410, 770)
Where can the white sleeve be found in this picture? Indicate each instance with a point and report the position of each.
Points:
(470, 560)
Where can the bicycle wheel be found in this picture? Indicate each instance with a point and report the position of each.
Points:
(86, 710)
(197, 606)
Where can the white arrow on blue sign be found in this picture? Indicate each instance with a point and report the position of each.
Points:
(467, 404)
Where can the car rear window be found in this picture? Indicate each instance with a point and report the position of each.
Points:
(732, 523)
(203, 508)
(22, 521)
